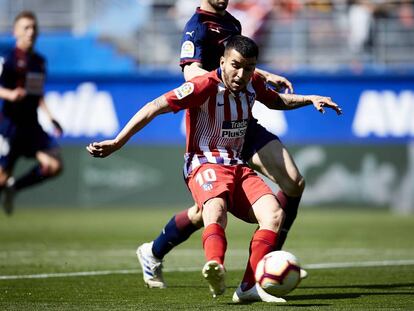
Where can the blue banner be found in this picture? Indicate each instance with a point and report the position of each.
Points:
(377, 109)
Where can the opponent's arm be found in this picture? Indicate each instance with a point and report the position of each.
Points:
(12, 95)
(292, 101)
(193, 70)
(134, 125)
(56, 124)
(278, 82)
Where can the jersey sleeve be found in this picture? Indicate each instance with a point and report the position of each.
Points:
(192, 43)
(190, 94)
(264, 94)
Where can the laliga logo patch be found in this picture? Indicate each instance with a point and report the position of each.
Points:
(184, 90)
(187, 49)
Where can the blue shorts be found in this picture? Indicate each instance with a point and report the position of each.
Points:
(256, 138)
(18, 141)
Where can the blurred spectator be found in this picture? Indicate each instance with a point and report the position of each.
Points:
(182, 11)
(286, 10)
(120, 18)
(405, 13)
(360, 21)
(252, 14)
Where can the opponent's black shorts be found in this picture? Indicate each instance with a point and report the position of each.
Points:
(17, 141)
(256, 138)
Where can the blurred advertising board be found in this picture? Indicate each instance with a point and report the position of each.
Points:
(377, 109)
(364, 157)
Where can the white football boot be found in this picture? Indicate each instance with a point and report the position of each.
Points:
(256, 293)
(214, 273)
(151, 266)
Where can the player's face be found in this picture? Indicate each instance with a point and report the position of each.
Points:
(25, 32)
(236, 70)
(218, 5)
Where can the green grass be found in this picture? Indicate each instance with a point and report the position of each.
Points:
(36, 241)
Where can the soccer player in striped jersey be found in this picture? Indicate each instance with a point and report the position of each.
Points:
(202, 45)
(22, 77)
(218, 108)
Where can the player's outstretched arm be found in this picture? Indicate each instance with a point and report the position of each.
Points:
(292, 101)
(138, 121)
(278, 82)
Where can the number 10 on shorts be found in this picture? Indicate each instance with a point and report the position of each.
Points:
(205, 179)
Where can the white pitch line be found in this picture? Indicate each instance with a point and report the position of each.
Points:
(316, 266)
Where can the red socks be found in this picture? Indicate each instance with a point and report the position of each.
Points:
(263, 242)
(214, 243)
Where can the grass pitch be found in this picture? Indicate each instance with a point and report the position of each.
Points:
(84, 259)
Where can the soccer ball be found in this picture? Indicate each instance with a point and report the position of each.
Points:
(278, 273)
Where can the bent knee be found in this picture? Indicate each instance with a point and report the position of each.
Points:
(293, 188)
(52, 169)
(195, 215)
(272, 219)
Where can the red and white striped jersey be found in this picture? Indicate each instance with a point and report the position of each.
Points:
(216, 119)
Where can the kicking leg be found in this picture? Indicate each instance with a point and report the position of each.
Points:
(270, 217)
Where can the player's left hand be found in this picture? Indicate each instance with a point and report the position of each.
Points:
(58, 128)
(102, 149)
(279, 83)
(321, 102)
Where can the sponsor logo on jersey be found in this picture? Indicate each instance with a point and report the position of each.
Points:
(187, 49)
(35, 83)
(234, 129)
(184, 90)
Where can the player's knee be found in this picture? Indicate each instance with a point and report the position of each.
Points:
(52, 169)
(294, 187)
(195, 215)
(3, 180)
(273, 220)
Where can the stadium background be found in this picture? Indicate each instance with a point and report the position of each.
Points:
(108, 58)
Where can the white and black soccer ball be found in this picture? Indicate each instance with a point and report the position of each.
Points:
(278, 273)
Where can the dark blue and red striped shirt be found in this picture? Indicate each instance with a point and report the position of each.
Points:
(204, 38)
(26, 70)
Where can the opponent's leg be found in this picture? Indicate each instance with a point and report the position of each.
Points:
(4, 177)
(178, 229)
(49, 166)
(275, 162)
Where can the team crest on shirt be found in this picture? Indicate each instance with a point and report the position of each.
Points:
(184, 90)
(187, 49)
(208, 186)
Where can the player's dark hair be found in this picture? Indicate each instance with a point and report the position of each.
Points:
(244, 45)
(25, 14)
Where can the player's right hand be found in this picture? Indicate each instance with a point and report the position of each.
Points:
(102, 149)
